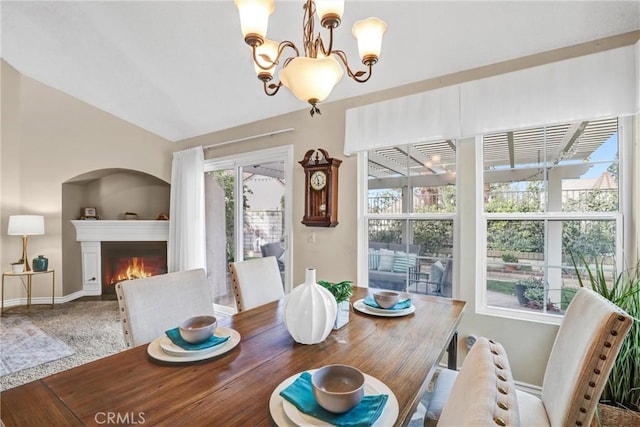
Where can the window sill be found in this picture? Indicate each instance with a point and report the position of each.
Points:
(527, 316)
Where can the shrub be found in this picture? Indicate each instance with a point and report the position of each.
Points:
(509, 257)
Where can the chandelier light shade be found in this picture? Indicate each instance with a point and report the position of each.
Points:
(254, 18)
(25, 225)
(310, 77)
(369, 34)
(265, 68)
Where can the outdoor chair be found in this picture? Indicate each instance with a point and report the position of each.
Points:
(152, 305)
(256, 282)
(582, 356)
(276, 250)
(436, 282)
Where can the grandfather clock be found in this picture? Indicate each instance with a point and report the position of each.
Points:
(320, 189)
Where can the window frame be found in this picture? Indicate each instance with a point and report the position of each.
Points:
(364, 216)
(624, 144)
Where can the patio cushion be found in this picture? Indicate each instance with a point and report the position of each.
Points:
(437, 270)
(386, 260)
(374, 259)
(402, 261)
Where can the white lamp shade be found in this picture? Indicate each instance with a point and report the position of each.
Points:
(311, 78)
(254, 15)
(369, 34)
(25, 225)
(329, 7)
(269, 48)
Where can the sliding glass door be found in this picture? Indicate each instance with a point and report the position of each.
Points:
(248, 215)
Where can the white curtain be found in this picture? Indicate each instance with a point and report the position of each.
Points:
(186, 246)
(600, 85)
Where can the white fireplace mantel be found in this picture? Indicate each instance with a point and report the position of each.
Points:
(90, 234)
(121, 231)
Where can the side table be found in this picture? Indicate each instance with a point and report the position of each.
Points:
(29, 275)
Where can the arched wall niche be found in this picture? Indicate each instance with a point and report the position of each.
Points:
(112, 192)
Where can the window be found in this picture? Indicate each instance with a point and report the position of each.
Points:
(410, 218)
(549, 193)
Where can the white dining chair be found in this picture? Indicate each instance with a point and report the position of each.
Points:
(152, 305)
(256, 282)
(582, 356)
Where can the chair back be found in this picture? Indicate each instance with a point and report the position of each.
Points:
(256, 282)
(582, 357)
(152, 305)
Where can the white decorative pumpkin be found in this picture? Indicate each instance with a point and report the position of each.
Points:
(310, 311)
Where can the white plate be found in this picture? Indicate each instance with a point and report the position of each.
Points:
(154, 350)
(284, 414)
(386, 310)
(364, 308)
(173, 350)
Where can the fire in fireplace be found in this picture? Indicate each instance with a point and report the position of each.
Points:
(131, 260)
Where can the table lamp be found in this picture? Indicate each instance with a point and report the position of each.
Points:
(25, 225)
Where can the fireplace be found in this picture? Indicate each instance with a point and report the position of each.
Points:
(131, 260)
(131, 246)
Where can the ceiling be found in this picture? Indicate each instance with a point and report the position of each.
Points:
(181, 69)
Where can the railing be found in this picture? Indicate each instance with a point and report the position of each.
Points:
(393, 204)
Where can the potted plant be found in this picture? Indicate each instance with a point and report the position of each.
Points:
(510, 260)
(18, 266)
(621, 396)
(530, 293)
(341, 291)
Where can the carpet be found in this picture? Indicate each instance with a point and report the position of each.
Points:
(90, 327)
(24, 345)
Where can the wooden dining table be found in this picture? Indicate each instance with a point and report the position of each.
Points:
(234, 388)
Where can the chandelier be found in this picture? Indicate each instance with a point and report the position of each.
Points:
(313, 76)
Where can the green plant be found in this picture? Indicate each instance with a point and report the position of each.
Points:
(20, 261)
(341, 291)
(623, 386)
(534, 292)
(509, 257)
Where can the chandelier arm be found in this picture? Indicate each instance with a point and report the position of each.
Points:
(358, 75)
(320, 44)
(274, 87)
(307, 29)
(281, 47)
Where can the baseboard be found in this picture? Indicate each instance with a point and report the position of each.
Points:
(224, 310)
(15, 302)
(529, 388)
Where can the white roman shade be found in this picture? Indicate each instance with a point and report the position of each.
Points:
(604, 84)
(425, 116)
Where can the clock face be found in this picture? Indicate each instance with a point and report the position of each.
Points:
(318, 180)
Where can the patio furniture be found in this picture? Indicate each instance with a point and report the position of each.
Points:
(152, 305)
(437, 282)
(581, 358)
(276, 250)
(389, 264)
(256, 282)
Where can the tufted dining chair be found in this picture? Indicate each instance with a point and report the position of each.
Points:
(256, 282)
(582, 356)
(152, 305)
